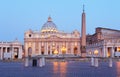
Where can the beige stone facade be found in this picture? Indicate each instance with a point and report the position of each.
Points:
(50, 41)
(104, 43)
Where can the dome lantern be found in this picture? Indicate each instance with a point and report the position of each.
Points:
(49, 19)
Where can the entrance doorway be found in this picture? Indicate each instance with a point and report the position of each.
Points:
(42, 50)
(75, 51)
(29, 52)
(109, 52)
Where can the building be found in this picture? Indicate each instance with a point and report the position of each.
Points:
(50, 41)
(10, 50)
(104, 43)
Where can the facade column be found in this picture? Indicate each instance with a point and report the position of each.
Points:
(66, 47)
(60, 47)
(33, 49)
(39, 48)
(44, 48)
(26, 50)
(104, 51)
(47, 48)
(79, 53)
(50, 48)
(100, 52)
(112, 51)
(55, 46)
(92, 54)
(72, 50)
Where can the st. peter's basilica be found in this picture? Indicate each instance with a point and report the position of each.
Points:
(50, 41)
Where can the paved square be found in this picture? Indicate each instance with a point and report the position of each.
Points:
(59, 69)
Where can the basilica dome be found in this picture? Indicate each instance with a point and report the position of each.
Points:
(49, 27)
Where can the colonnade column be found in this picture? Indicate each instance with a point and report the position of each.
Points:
(12, 52)
(6, 49)
(5, 52)
(20, 52)
(1, 53)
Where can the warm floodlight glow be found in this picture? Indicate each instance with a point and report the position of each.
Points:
(96, 52)
(118, 49)
(63, 50)
(55, 52)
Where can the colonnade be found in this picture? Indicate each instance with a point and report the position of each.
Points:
(10, 52)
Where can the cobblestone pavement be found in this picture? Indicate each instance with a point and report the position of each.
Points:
(59, 69)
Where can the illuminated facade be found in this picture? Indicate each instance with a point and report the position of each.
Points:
(50, 41)
(10, 50)
(104, 43)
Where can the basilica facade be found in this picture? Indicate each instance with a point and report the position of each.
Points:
(50, 41)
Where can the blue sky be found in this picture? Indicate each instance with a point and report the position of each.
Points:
(17, 16)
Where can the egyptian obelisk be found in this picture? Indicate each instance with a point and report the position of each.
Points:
(83, 35)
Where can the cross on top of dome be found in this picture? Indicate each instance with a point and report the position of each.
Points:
(49, 19)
